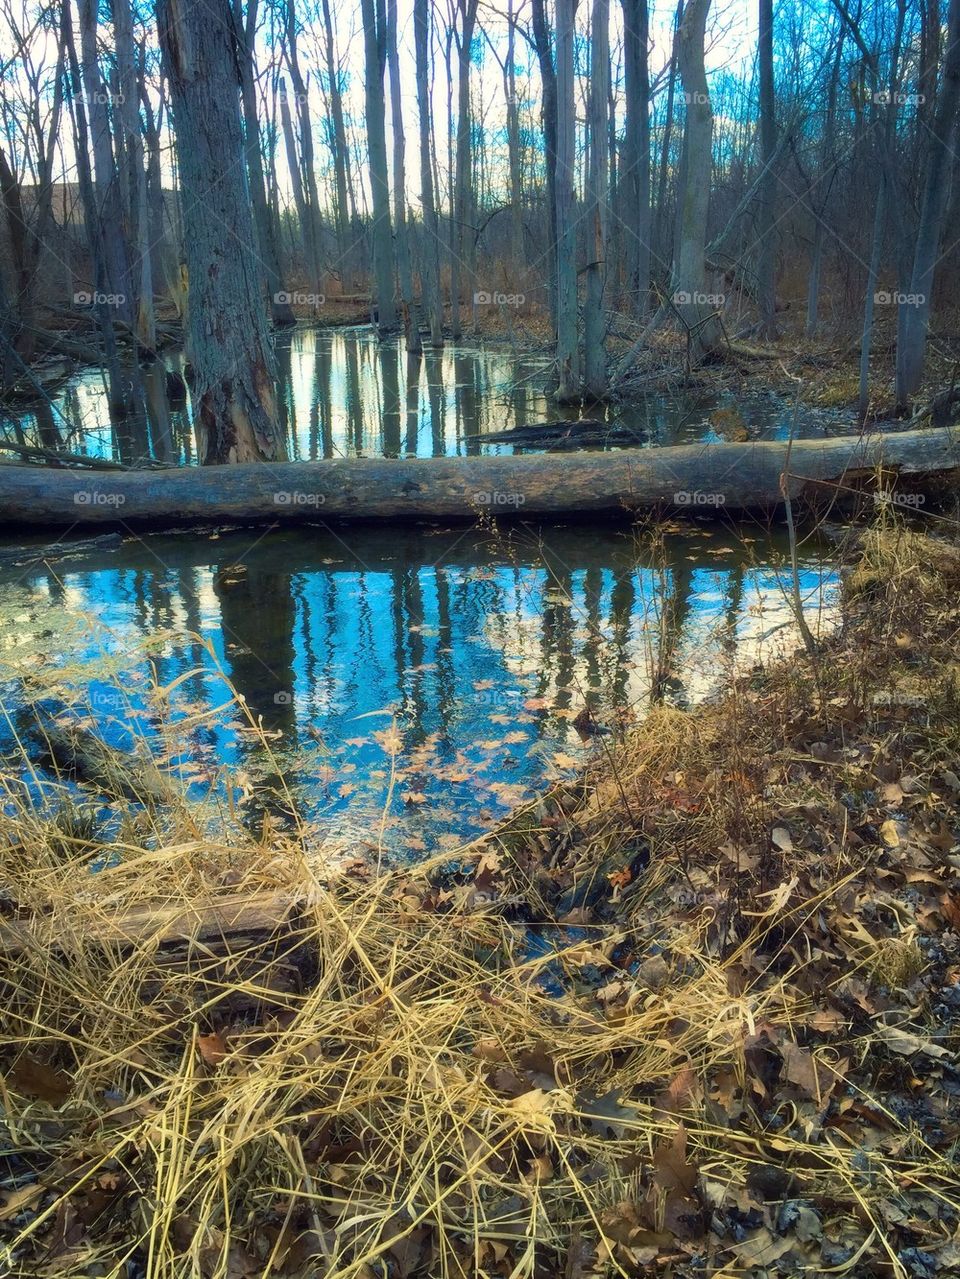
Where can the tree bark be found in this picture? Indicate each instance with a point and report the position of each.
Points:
(548, 84)
(710, 479)
(233, 368)
(341, 156)
(246, 31)
(461, 248)
(911, 351)
(693, 302)
(766, 264)
(411, 308)
(635, 165)
(430, 255)
(375, 59)
(105, 177)
(568, 353)
(594, 319)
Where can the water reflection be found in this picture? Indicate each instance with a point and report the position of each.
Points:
(343, 392)
(470, 657)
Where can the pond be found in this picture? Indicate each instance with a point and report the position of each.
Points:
(410, 686)
(413, 686)
(346, 393)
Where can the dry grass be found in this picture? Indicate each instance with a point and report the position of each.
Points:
(423, 1101)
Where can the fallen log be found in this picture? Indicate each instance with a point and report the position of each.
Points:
(707, 478)
(240, 954)
(80, 754)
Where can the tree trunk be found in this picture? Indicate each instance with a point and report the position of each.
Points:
(594, 318)
(411, 309)
(461, 252)
(375, 57)
(709, 479)
(124, 398)
(106, 186)
(662, 250)
(548, 84)
(911, 352)
(233, 368)
(767, 260)
(568, 354)
(513, 145)
(635, 166)
(309, 169)
(341, 156)
(430, 256)
(818, 207)
(279, 302)
(696, 307)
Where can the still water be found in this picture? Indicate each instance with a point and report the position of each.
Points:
(343, 393)
(412, 686)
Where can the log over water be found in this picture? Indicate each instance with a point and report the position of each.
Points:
(708, 478)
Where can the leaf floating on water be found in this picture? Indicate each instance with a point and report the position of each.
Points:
(389, 739)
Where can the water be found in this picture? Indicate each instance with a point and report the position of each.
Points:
(411, 685)
(345, 393)
(414, 685)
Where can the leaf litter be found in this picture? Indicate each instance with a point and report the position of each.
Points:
(736, 1054)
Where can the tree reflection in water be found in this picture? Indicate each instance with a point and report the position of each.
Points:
(482, 649)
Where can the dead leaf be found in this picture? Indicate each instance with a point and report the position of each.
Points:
(672, 1171)
(212, 1048)
(782, 839)
(36, 1079)
(16, 1201)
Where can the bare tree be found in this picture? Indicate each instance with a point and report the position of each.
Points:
(229, 346)
(245, 29)
(691, 297)
(767, 248)
(430, 254)
(594, 317)
(911, 350)
(635, 163)
(568, 352)
(375, 61)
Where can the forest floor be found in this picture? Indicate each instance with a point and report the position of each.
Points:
(697, 1013)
